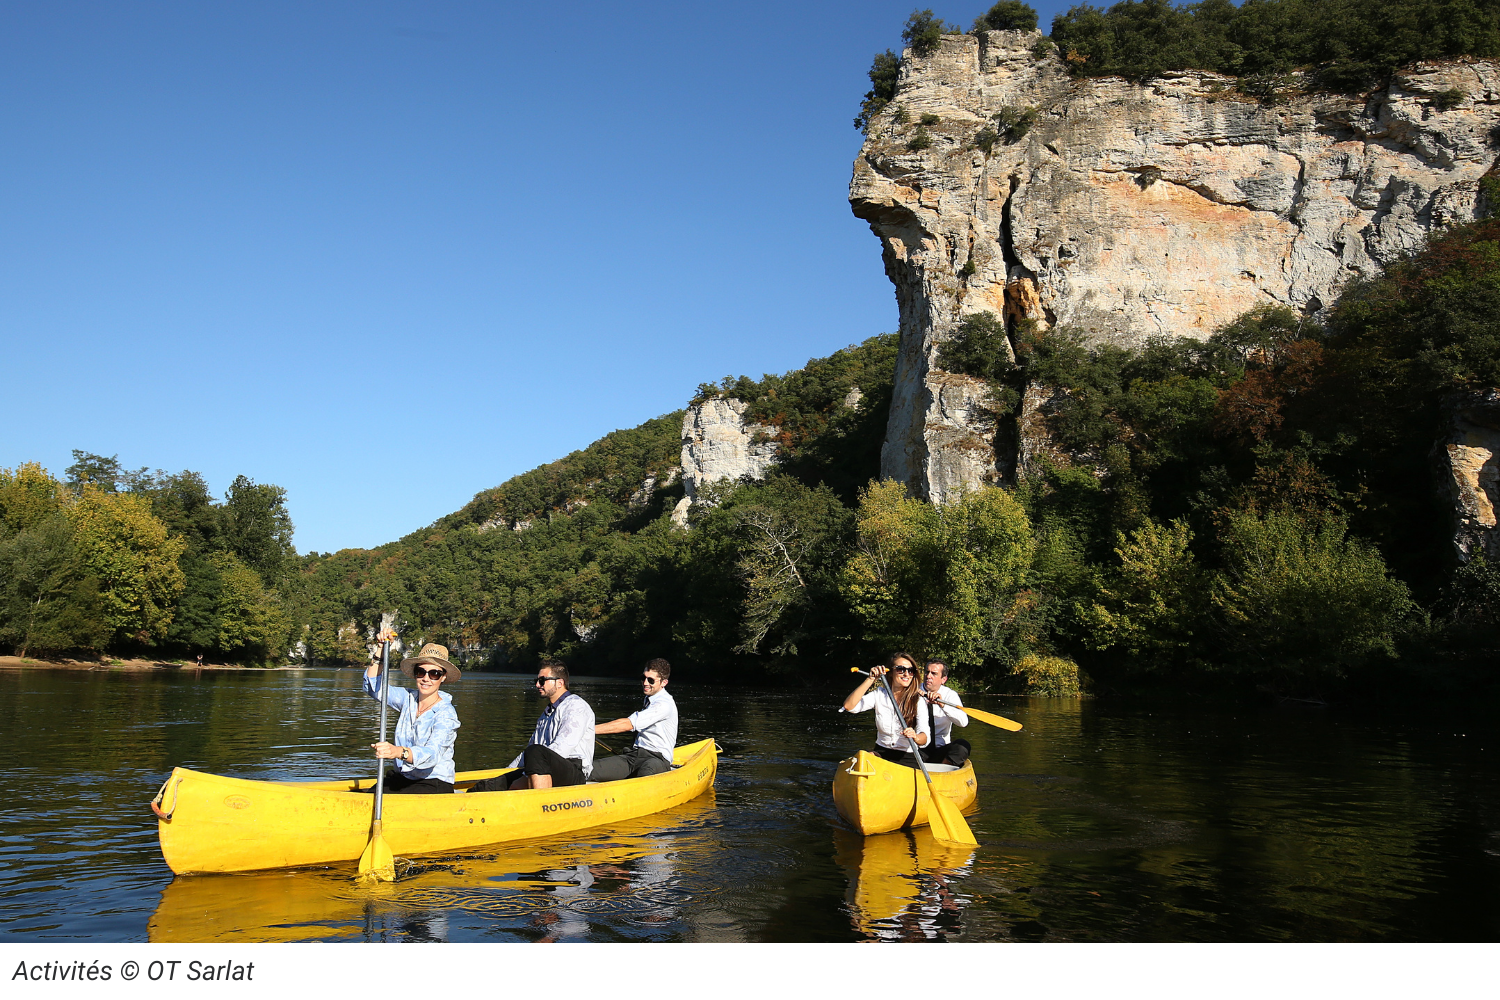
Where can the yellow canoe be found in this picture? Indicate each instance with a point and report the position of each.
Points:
(210, 823)
(876, 796)
(329, 904)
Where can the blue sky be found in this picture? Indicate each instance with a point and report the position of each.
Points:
(389, 254)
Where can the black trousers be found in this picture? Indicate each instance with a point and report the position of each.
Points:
(955, 753)
(398, 784)
(537, 759)
(903, 757)
(633, 763)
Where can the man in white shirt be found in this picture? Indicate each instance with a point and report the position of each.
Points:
(562, 745)
(947, 711)
(656, 722)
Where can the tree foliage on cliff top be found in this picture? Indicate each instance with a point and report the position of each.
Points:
(1350, 45)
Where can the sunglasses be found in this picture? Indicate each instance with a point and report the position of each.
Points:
(903, 670)
(543, 680)
(436, 673)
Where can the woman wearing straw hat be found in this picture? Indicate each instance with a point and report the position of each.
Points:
(428, 726)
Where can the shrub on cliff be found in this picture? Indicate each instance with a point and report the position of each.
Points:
(923, 32)
(884, 73)
(1007, 15)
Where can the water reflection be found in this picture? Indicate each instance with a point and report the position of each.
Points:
(623, 883)
(904, 886)
(1102, 821)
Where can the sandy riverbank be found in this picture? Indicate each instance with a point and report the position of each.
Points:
(17, 663)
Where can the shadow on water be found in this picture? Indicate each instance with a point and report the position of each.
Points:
(1097, 822)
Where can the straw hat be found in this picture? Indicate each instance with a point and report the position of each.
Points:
(435, 655)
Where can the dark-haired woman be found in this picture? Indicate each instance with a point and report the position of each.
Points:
(427, 728)
(899, 723)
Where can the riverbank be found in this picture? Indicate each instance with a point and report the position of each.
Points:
(112, 663)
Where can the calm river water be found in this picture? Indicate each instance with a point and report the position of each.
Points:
(1098, 822)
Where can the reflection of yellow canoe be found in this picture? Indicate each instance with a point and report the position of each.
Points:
(878, 796)
(209, 823)
(893, 874)
(324, 905)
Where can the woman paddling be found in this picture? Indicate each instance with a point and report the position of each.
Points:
(428, 726)
(894, 730)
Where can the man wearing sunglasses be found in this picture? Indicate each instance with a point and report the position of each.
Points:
(657, 724)
(562, 745)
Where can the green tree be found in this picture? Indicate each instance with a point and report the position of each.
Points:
(249, 616)
(28, 496)
(1007, 15)
(923, 32)
(128, 551)
(944, 580)
(256, 527)
(1301, 600)
(884, 73)
(1151, 607)
(47, 602)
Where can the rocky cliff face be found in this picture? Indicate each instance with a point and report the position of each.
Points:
(1130, 210)
(718, 443)
(1470, 462)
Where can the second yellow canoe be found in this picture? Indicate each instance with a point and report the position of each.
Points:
(876, 796)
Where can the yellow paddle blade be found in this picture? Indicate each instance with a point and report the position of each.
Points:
(948, 823)
(377, 863)
(992, 719)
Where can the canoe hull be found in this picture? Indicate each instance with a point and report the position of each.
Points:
(876, 796)
(210, 823)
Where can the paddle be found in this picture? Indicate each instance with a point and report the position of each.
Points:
(942, 815)
(377, 863)
(994, 720)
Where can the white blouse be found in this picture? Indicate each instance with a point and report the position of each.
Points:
(888, 721)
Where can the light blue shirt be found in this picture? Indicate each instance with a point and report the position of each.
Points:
(567, 729)
(657, 724)
(430, 736)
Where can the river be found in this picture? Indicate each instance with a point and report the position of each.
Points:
(1099, 821)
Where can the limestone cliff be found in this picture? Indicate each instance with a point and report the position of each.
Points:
(719, 443)
(1130, 210)
(1470, 463)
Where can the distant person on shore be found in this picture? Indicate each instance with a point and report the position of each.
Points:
(947, 712)
(200, 661)
(561, 751)
(427, 728)
(656, 722)
(895, 724)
